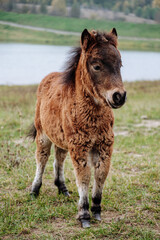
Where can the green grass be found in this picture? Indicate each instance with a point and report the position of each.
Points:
(77, 25)
(19, 35)
(131, 197)
(13, 34)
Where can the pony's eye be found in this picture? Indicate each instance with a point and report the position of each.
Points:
(96, 67)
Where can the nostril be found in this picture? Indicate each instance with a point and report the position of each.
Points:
(117, 97)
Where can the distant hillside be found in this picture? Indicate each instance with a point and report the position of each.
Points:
(142, 11)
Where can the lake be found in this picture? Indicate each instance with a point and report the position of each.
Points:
(23, 64)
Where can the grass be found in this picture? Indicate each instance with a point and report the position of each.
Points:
(77, 25)
(131, 197)
(13, 34)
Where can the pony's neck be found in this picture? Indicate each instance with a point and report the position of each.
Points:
(81, 83)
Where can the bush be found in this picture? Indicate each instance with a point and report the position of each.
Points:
(33, 9)
(75, 11)
(138, 12)
(59, 7)
(43, 8)
(147, 12)
(157, 15)
(24, 9)
(7, 5)
(126, 11)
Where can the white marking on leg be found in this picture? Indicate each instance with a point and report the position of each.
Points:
(83, 199)
(42, 155)
(58, 171)
(38, 176)
(83, 194)
(97, 188)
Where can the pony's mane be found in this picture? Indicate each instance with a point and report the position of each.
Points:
(71, 66)
(112, 39)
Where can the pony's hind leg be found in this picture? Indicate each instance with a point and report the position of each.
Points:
(60, 155)
(42, 155)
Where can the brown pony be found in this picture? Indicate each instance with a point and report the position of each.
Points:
(74, 112)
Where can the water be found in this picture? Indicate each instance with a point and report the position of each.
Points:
(27, 64)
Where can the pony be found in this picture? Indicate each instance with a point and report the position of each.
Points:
(74, 111)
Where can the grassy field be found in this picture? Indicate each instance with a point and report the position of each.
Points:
(131, 197)
(77, 25)
(12, 34)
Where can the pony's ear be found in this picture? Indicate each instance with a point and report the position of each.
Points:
(85, 39)
(114, 32)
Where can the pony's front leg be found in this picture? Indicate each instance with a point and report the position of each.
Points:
(101, 167)
(83, 173)
(60, 155)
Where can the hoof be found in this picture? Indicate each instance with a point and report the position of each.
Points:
(35, 190)
(66, 193)
(34, 195)
(97, 216)
(85, 223)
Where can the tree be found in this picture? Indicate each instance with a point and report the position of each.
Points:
(7, 5)
(33, 9)
(146, 13)
(126, 8)
(157, 15)
(25, 9)
(125, 5)
(10, 5)
(43, 8)
(138, 12)
(118, 7)
(75, 11)
(59, 7)
(156, 3)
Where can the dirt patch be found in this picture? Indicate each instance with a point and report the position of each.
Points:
(132, 154)
(133, 170)
(21, 142)
(128, 172)
(135, 155)
(121, 133)
(149, 123)
(58, 229)
(110, 216)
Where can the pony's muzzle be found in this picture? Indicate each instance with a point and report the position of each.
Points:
(119, 99)
(116, 99)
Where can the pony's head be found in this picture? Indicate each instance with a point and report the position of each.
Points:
(101, 62)
(96, 66)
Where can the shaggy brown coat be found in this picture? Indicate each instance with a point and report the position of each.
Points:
(74, 112)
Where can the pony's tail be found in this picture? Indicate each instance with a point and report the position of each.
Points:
(32, 132)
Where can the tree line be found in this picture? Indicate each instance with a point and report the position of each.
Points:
(149, 9)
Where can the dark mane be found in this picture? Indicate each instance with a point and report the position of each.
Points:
(111, 38)
(71, 66)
